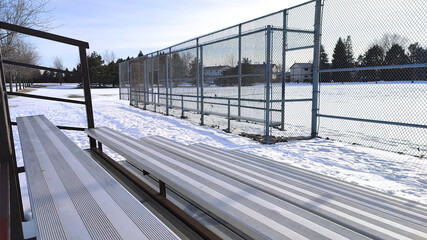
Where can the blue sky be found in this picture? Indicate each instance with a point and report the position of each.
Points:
(125, 27)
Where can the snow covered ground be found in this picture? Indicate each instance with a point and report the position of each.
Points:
(394, 101)
(396, 174)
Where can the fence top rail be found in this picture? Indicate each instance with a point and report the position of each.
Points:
(44, 35)
(233, 26)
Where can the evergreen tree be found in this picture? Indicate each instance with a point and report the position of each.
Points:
(396, 56)
(373, 57)
(193, 71)
(324, 64)
(95, 63)
(179, 68)
(339, 57)
(247, 68)
(67, 76)
(418, 54)
(349, 51)
(324, 61)
(140, 54)
(340, 60)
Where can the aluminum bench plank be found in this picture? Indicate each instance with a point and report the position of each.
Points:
(254, 212)
(403, 208)
(370, 222)
(185, 204)
(72, 197)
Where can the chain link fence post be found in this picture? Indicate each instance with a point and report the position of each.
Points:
(316, 62)
(284, 46)
(202, 120)
(145, 84)
(197, 73)
(239, 73)
(267, 85)
(167, 83)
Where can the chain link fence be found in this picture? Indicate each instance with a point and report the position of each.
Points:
(338, 69)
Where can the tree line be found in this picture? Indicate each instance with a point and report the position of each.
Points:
(389, 50)
(102, 71)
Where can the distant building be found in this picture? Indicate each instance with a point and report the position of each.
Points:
(210, 73)
(301, 72)
(260, 68)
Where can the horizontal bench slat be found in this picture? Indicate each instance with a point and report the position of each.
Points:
(400, 207)
(86, 202)
(258, 214)
(368, 221)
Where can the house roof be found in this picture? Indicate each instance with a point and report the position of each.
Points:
(302, 65)
(216, 68)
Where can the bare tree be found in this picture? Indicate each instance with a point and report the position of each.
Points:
(109, 56)
(26, 13)
(231, 60)
(58, 64)
(388, 40)
(24, 53)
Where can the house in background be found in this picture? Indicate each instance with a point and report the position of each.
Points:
(210, 73)
(260, 68)
(301, 72)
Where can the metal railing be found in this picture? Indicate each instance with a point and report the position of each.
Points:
(11, 213)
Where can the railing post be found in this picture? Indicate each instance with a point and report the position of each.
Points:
(197, 72)
(182, 106)
(87, 95)
(267, 86)
(316, 61)
(239, 73)
(167, 84)
(11, 213)
(202, 120)
(228, 116)
(284, 46)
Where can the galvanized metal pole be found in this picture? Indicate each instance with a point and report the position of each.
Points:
(158, 78)
(120, 81)
(87, 95)
(131, 93)
(145, 85)
(167, 84)
(152, 83)
(138, 88)
(228, 116)
(197, 71)
(267, 86)
(128, 70)
(239, 73)
(182, 106)
(171, 78)
(284, 47)
(202, 78)
(316, 62)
